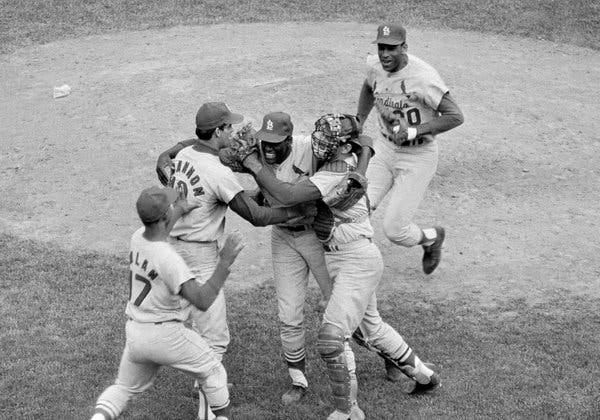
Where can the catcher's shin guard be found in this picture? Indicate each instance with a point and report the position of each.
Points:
(331, 347)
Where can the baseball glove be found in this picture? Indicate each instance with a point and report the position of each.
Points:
(324, 222)
(243, 144)
(347, 193)
(397, 125)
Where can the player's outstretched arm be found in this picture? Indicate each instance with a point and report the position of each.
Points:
(366, 100)
(257, 215)
(202, 296)
(286, 193)
(164, 163)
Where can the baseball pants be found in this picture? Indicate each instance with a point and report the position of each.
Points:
(356, 270)
(404, 172)
(295, 255)
(212, 325)
(148, 347)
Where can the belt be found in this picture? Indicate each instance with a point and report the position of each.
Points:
(299, 228)
(157, 323)
(342, 247)
(407, 143)
(182, 239)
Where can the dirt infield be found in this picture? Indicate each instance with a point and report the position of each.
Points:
(517, 185)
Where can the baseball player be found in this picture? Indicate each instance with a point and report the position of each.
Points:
(295, 247)
(354, 263)
(413, 105)
(198, 172)
(162, 290)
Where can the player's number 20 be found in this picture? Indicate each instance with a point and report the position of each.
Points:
(145, 290)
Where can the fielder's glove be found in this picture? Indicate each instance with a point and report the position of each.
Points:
(243, 144)
(347, 193)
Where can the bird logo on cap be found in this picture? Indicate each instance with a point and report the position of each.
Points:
(270, 125)
(386, 31)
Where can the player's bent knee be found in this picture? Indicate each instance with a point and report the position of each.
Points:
(330, 341)
(400, 235)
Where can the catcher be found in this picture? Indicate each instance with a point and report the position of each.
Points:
(353, 260)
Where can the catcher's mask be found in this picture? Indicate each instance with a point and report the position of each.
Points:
(332, 130)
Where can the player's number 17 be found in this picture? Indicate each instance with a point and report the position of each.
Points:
(145, 290)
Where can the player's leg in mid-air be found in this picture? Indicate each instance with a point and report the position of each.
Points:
(413, 169)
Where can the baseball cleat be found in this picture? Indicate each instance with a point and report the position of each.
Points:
(432, 254)
(293, 395)
(394, 374)
(413, 387)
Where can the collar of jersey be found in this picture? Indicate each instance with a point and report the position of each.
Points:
(200, 147)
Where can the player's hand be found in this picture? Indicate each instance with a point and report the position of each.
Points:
(399, 132)
(302, 214)
(184, 204)
(231, 248)
(253, 163)
(164, 168)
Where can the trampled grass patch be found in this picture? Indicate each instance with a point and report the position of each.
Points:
(62, 329)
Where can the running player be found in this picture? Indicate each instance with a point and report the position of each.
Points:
(413, 105)
(155, 333)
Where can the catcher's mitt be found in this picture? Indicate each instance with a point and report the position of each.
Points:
(324, 222)
(243, 144)
(347, 193)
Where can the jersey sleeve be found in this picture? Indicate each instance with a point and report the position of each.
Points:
(371, 74)
(227, 185)
(173, 270)
(434, 89)
(326, 181)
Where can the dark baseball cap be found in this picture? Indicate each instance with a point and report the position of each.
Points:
(154, 202)
(276, 127)
(213, 114)
(390, 34)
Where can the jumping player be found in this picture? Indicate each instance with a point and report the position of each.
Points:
(413, 105)
(162, 292)
(355, 265)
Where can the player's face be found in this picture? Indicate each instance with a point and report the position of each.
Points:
(275, 153)
(392, 57)
(225, 133)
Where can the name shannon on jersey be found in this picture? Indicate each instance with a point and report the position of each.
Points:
(186, 169)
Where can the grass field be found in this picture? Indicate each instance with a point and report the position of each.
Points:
(40, 21)
(62, 333)
(63, 312)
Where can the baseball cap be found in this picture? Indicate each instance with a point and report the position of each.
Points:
(213, 114)
(276, 127)
(153, 202)
(390, 34)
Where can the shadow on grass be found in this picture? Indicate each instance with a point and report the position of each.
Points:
(62, 336)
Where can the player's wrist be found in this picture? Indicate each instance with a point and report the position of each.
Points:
(411, 133)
